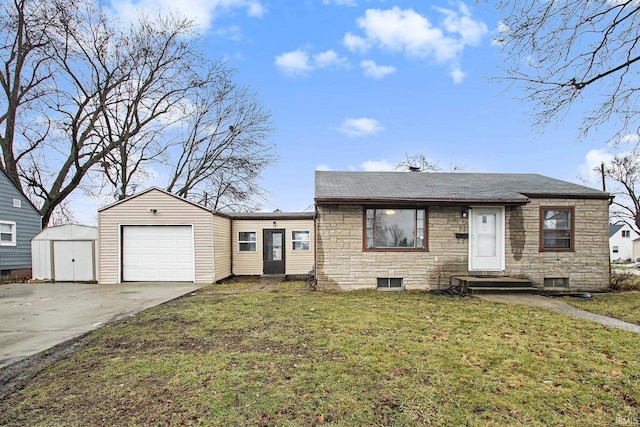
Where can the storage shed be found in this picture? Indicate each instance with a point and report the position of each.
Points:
(65, 253)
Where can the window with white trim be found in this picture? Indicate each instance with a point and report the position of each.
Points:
(7, 233)
(247, 241)
(300, 240)
(626, 233)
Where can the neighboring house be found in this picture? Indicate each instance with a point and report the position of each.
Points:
(621, 242)
(414, 230)
(19, 222)
(158, 236)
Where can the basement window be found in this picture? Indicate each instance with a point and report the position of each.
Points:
(556, 282)
(389, 283)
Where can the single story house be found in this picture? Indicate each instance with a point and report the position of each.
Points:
(158, 236)
(413, 230)
(621, 242)
(19, 222)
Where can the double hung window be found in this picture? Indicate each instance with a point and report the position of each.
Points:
(247, 241)
(300, 240)
(556, 229)
(7, 233)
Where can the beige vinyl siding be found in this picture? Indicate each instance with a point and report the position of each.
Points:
(221, 247)
(250, 263)
(171, 210)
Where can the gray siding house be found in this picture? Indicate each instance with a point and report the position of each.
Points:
(20, 221)
(412, 230)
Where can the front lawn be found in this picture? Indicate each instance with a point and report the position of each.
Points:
(621, 305)
(296, 357)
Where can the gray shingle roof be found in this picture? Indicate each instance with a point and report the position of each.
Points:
(444, 187)
(614, 228)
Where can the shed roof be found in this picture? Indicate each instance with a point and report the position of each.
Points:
(375, 187)
(68, 232)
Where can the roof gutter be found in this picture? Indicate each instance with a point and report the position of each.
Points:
(420, 202)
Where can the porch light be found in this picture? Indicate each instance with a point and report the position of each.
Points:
(274, 224)
(464, 213)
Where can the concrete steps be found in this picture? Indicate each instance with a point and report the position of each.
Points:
(476, 285)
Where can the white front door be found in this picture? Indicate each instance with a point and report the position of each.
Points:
(486, 239)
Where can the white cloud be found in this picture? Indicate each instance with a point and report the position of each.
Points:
(363, 126)
(630, 138)
(298, 62)
(501, 30)
(375, 71)
(329, 59)
(356, 43)
(588, 171)
(203, 12)
(341, 2)
(377, 166)
(294, 63)
(323, 167)
(408, 32)
(457, 74)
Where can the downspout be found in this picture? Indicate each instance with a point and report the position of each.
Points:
(315, 247)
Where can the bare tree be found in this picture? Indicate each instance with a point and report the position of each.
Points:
(84, 96)
(623, 171)
(26, 69)
(222, 153)
(421, 163)
(561, 52)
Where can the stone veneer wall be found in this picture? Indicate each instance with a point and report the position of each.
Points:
(342, 263)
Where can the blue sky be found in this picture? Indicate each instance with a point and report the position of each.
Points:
(359, 84)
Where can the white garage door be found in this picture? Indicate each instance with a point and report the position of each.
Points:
(161, 253)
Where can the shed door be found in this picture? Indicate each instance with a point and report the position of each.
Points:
(157, 253)
(273, 251)
(486, 245)
(73, 261)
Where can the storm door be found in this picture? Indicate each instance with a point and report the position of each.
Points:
(486, 239)
(273, 251)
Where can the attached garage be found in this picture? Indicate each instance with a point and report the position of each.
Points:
(160, 253)
(65, 253)
(158, 236)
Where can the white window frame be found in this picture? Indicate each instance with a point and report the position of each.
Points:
(252, 243)
(626, 233)
(294, 241)
(14, 234)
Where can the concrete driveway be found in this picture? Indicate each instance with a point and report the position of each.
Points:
(37, 316)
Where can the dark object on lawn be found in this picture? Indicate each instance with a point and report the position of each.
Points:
(452, 290)
(581, 295)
